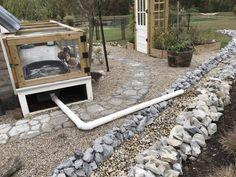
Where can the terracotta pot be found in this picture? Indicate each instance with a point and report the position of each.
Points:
(180, 59)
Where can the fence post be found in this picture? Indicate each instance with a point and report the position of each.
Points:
(123, 28)
(97, 30)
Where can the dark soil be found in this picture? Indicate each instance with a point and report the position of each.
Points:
(214, 157)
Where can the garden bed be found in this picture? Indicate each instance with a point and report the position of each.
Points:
(158, 53)
(214, 157)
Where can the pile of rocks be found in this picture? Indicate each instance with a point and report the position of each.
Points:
(193, 127)
(82, 164)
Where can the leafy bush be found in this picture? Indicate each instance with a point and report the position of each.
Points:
(69, 20)
(234, 9)
(173, 40)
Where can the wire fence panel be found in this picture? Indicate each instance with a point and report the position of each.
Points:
(116, 28)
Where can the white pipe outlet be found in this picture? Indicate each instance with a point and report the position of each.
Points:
(101, 121)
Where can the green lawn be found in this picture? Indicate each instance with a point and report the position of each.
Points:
(209, 24)
(114, 33)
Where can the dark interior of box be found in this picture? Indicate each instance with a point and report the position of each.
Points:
(43, 100)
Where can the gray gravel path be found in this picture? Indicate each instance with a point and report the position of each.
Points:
(40, 155)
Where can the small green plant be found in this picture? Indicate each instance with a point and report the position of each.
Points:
(69, 19)
(173, 40)
(234, 9)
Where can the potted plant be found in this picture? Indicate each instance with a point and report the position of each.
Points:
(179, 47)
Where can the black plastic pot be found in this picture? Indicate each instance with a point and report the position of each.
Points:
(180, 59)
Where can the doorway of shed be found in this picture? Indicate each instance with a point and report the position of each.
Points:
(141, 26)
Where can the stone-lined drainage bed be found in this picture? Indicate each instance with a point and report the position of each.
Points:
(195, 124)
(214, 157)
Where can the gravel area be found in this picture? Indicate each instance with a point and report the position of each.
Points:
(161, 76)
(40, 155)
(124, 157)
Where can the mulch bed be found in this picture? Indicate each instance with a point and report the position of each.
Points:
(214, 157)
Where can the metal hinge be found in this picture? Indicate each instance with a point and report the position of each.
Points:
(87, 70)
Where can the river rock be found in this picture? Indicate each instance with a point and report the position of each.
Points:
(212, 128)
(199, 138)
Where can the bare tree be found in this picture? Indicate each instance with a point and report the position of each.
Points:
(90, 10)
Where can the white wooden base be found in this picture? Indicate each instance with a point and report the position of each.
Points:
(23, 92)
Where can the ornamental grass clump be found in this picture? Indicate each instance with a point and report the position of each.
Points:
(228, 141)
(228, 171)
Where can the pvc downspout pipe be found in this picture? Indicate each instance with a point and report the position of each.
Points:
(101, 121)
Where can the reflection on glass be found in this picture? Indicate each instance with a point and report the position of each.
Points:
(48, 59)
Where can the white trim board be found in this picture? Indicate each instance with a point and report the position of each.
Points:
(23, 92)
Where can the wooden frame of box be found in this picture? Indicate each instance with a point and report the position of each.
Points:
(11, 41)
(25, 35)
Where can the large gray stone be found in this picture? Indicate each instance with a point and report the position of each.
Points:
(30, 134)
(20, 122)
(87, 169)
(196, 149)
(69, 171)
(212, 128)
(98, 158)
(139, 172)
(168, 154)
(3, 138)
(93, 165)
(216, 116)
(186, 137)
(78, 164)
(142, 124)
(61, 175)
(107, 139)
(178, 167)
(95, 108)
(173, 142)
(42, 118)
(19, 129)
(88, 155)
(46, 127)
(97, 147)
(107, 150)
(206, 121)
(36, 127)
(65, 164)
(186, 149)
(199, 138)
(58, 120)
(130, 92)
(4, 128)
(80, 173)
(199, 114)
(172, 173)
(115, 101)
(158, 170)
(183, 120)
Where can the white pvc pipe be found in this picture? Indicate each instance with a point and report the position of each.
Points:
(101, 121)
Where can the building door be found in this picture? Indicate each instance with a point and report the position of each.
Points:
(141, 26)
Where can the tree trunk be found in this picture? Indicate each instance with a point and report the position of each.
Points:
(91, 34)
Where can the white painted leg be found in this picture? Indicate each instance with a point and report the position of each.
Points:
(89, 90)
(23, 104)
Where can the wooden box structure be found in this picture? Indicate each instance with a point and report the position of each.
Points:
(150, 15)
(46, 56)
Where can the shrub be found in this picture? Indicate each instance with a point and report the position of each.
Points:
(229, 171)
(234, 9)
(228, 141)
(69, 20)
